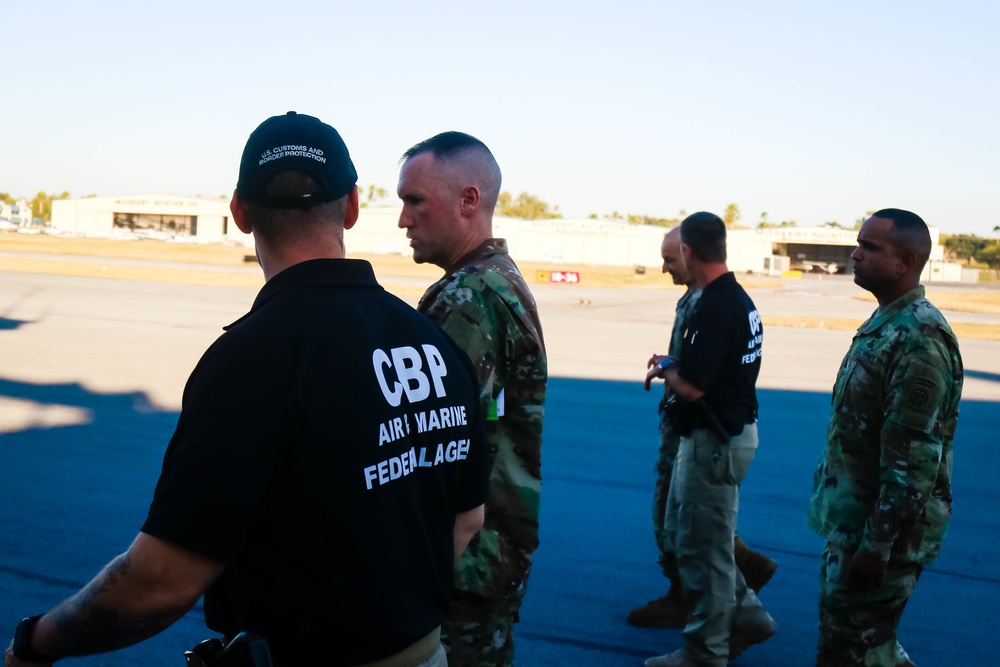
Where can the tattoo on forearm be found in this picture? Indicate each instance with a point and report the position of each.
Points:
(90, 621)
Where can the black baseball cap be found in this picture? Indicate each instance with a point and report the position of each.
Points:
(295, 142)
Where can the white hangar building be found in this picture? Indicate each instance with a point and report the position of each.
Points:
(829, 249)
(158, 216)
(770, 251)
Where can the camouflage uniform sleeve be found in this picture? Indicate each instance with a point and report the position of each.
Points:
(911, 444)
(467, 317)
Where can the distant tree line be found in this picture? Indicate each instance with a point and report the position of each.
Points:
(371, 195)
(731, 216)
(973, 249)
(41, 203)
(526, 205)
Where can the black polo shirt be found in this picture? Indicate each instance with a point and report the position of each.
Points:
(720, 353)
(325, 444)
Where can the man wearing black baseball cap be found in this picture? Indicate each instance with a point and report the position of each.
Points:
(301, 143)
(298, 493)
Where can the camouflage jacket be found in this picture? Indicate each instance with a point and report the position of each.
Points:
(486, 307)
(682, 313)
(883, 484)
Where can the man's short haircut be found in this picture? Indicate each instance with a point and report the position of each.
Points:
(453, 146)
(446, 144)
(705, 234)
(909, 233)
(281, 224)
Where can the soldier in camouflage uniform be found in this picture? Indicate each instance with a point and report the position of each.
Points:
(671, 610)
(449, 185)
(882, 491)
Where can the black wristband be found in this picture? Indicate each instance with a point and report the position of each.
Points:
(21, 646)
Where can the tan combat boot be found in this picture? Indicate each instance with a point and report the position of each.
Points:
(757, 569)
(750, 635)
(675, 659)
(670, 611)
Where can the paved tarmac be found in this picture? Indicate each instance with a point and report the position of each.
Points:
(91, 374)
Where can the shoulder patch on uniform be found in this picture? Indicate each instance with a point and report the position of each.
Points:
(918, 397)
(922, 390)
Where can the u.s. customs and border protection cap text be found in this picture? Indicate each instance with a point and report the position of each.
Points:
(296, 142)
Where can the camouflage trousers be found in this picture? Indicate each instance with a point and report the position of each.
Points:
(479, 631)
(858, 628)
(670, 442)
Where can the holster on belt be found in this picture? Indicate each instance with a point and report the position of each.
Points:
(246, 649)
(685, 416)
(251, 650)
(679, 414)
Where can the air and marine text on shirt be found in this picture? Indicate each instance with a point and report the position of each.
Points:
(756, 338)
(416, 375)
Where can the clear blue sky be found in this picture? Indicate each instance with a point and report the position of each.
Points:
(809, 111)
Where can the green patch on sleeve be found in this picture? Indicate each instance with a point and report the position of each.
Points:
(919, 394)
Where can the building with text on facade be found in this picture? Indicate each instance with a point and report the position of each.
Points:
(156, 216)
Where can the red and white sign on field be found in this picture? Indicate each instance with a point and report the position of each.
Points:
(568, 277)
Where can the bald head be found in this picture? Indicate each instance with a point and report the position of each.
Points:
(673, 258)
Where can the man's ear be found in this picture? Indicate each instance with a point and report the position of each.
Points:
(239, 211)
(353, 207)
(907, 262)
(470, 199)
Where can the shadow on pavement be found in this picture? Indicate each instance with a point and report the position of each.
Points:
(982, 375)
(75, 495)
(7, 324)
(597, 559)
